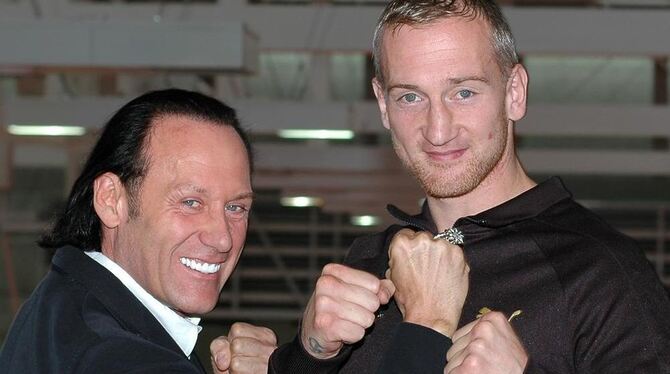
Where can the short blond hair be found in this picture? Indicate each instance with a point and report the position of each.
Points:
(424, 12)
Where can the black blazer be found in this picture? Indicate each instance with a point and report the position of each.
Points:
(82, 319)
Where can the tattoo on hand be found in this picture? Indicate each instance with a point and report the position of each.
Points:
(314, 346)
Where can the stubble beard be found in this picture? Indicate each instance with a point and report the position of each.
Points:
(440, 181)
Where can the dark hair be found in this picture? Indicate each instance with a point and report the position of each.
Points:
(122, 150)
(424, 12)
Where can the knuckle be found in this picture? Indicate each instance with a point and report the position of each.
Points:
(401, 238)
(323, 321)
(496, 316)
(369, 320)
(424, 235)
(329, 267)
(472, 363)
(326, 282)
(334, 270)
(321, 304)
(359, 334)
(269, 335)
(218, 344)
(478, 345)
(236, 328)
(237, 345)
(374, 304)
(236, 364)
(480, 329)
(374, 284)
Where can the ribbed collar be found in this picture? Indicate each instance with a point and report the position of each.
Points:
(183, 330)
(525, 206)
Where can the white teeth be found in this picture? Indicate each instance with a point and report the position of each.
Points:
(202, 267)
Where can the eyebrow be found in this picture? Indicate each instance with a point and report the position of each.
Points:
(403, 86)
(469, 78)
(201, 190)
(450, 81)
(192, 187)
(244, 195)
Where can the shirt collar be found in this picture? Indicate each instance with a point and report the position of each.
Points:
(527, 205)
(183, 330)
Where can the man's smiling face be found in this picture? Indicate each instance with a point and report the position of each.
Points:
(192, 214)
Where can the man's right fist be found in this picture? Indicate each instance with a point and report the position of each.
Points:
(246, 350)
(431, 279)
(342, 306)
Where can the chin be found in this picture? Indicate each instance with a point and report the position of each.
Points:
(198, 305)
(197, 311)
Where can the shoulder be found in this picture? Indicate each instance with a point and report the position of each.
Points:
(131, 354)
(614, 296)
(592, 259)
(571, 228)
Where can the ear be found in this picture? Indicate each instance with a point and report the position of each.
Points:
(381, 101)
(517, 93)
(109, 200)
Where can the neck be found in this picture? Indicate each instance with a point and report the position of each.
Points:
(506, 181)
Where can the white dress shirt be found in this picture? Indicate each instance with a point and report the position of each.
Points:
(184, 330)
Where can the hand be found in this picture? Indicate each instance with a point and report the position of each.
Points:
(487, 345)
(431, 279)
(341, 308)
(246, 349)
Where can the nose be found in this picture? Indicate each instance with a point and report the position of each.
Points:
(216, 234)
(439, 128)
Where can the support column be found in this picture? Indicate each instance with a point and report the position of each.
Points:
(661, 80)
(318, 81)
(367, 81)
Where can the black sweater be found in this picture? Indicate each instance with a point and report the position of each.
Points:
(591, 301)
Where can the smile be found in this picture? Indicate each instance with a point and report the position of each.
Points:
(447, 155)
(202, 267)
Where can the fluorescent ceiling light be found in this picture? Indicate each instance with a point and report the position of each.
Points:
(316, 134)
(301, 201)
(38, 130)
(365, 220)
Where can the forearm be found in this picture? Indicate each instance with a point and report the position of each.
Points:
(293, 358)
(415, 349)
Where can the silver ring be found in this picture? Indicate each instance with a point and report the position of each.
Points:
(452, 235)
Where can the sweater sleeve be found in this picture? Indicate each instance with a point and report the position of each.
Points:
(293, 358)
(415, 349)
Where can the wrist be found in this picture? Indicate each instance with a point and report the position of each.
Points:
(441, 325)
(316, 349)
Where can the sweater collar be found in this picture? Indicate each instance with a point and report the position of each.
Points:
(525, 206)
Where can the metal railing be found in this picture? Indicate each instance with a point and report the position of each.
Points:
(275, 277)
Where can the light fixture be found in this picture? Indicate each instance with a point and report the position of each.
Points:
(45, 130)
(301, 201)
(316, 134)
(365, 220)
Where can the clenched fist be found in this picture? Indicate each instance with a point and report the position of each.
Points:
(341, 308)
(431, 279)
(246, 350)
(487, 345)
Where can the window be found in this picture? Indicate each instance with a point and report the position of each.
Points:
(590, 80)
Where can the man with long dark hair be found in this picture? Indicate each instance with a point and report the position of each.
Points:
(153, 228)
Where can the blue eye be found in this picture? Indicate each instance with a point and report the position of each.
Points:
(236, 208)
(410, 97)
(465, 94)
(191, 203)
